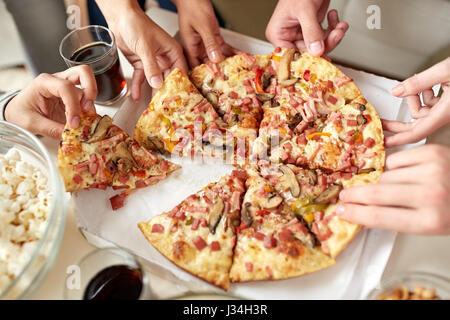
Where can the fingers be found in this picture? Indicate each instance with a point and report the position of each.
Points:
(83, 76)
(211, 45)
(311, 29)
(428, 97)
(425, 80)
(136, 83)
(399, 219)
(71, 96)
(48, 127)
(415, 107)
(410, 157)
(384, 195)
(420, 130)
(396, 126)
(425, 172)
(152, 71)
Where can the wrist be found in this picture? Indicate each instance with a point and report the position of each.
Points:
(5, 101)
(113, 10)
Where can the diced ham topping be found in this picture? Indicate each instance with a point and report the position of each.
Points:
(180, 215)
(330, 84)
(233, 95)
(81, 167)
(270, 242)
(199, 243)
(321, 231)
(307, 75)
(196, 209)
(85, 134)
(352, 123)
(318, 216)
(195, 224)
(77, 179)
(260, 236)
(343, 80)
(249, 266)
(235, 201)
(369, 142)
(286, 235)
(93, 164)
(118, 200)
(331, 99)
(157, 228)
(164, 165)
(215, 246)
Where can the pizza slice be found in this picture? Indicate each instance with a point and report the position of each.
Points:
(180, 120)
(312, 194)
(235, 87)
(99, 154)
(198, 235)
(319, 119)
(272, 242)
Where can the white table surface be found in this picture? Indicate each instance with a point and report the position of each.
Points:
(410, 253)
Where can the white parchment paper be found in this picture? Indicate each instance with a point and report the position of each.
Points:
(359, 268)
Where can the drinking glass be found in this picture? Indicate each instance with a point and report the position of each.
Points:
(96, 47)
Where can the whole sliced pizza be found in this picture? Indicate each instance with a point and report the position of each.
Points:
(307, 133)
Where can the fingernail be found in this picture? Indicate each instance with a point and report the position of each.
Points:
(156, 81)
(216, 56)
(88, 106)
(316, 47)
(336, 39)
(340, 210)
(75, 122)
(398, 90)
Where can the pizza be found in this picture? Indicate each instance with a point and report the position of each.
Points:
(199, 234)
(234, 88)
(323, 119)
(308, 132)
(99, 154)
(180, 120)
(272, 242)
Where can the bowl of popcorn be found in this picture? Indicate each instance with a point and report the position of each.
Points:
(413, 285)
(32, 212)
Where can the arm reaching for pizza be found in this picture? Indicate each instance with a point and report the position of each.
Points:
(52, 99)
(152, 52)
(200, 33)
(297, 23)
(432, 116)
(413, 196)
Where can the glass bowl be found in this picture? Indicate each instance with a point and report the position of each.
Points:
(43, 256)
(412, 279)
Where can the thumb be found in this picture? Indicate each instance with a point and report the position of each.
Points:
(211, 46)
(151, 69)
(311, 29)
(49, 128)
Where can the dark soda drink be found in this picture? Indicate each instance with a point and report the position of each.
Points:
(108, 74)
(119, 282)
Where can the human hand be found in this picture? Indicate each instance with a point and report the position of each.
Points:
(200, 33)
(152, 52)
(297, 24)
(432, 116)
(413, 196)
(44, 106)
